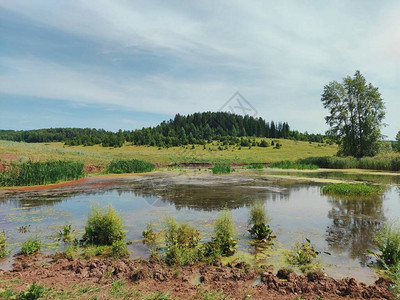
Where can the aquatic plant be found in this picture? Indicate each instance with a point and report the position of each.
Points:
(24, 229)
(221, 169)
(255, 166)
(31, 246)
(347, 189)
(388, 244)
(37, 173)
(257, 221)
(223, 241)
(104, 226)
(150, 238)
(3, 240)
(66, 234)
(303, 255)
(120, 166)
(287, 164)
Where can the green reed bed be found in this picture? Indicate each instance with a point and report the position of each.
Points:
(387, 162)
(38, 173)
(346, 189)
(221, 169)
(293, 165)
(120, 166)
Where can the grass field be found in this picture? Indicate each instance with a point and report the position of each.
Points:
(101, 156)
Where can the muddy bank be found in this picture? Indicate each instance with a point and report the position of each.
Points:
(237, 280)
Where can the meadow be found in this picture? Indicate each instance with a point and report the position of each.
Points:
(210, 153)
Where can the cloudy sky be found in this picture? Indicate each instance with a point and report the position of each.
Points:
(127, 64)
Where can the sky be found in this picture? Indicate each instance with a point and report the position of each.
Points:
(128, 64)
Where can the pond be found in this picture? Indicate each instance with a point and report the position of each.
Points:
(297, 210)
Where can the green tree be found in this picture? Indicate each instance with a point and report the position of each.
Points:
(397, 145)
(356, 111)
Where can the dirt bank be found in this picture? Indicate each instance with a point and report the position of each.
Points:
(237, 280)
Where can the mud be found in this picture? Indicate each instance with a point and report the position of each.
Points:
(237, 280)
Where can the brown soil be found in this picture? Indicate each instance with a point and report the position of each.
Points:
(235, 280)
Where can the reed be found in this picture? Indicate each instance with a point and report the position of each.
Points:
(120, 166)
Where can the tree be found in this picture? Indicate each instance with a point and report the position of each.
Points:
(356, 111)
(397, 145)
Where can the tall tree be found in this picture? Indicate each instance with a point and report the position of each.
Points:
(356, 111)
(397, 145)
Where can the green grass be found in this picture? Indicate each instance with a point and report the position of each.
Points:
(255, 166)
(120, 166)
(293, 165)
(221, 169)
(37, 173)
(346, 189)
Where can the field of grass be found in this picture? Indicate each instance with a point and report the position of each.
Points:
(101, 156)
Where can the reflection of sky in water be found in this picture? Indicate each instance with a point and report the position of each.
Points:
(297, 210)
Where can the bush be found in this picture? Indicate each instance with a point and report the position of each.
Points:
(223, 239)
(303, 255)
(182, 241)
(263, 143)
(257, 220)
(103, 227)
(36, 173)
(221, 169)
(119, 249)
(33, 293)
(150, 239)
(120, 166)
(351, 189)
(3, 240)
(255, 166)
(31, 246)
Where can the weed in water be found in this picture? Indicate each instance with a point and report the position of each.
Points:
(257, 222)
(346, 189)
(303, 255)
(150, 238)
(24, 229)
(3, 240)
(31, 246)
(222, 242)
(103, 227)
(388, 243)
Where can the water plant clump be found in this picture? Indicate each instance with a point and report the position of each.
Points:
(351, 189)
(257, 222)
(37, 173)
(120, 166)
(150, 239)
(223, 242)
(3, 240)
(286, 164)
(103, 227)
(31, 246)
(255, 166)
(221, 169)
(388, 244)
(303, 255)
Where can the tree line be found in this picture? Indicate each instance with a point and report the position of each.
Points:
(197, 128)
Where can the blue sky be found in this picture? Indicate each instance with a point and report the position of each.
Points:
(127, 64)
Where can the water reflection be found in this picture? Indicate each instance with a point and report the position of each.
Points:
(354, 223)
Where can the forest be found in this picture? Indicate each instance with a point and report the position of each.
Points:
(197, 128)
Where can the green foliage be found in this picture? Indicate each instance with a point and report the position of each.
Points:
(223, 241)
(150, 238)
(347, 189)
(397, 144)
(293, 165)
(257, 221)
(31, 246)
(94, 250)
(70, 252)
(356, 111)
(303, 255)
(3, 240)
(182, 242)
(380, 162)
(104, 226)
(119, 249)
(264, 144)
(221, 169)
(255, 166)
(37, 173)
(120, 166)
(66, 234)
(34, 292)
(261, 232)
(388, 243)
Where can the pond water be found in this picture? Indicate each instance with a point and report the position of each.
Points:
(296, 208)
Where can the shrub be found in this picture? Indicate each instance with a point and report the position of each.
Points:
(36, 173)
(3, 240)
(182, 241)
(31, 246)
(94, 250)
(150, 239)
(119, 249)
(223, 239)
(70, 252)
(120, 166)
(351, 189)
(257, 220)
(104, 226)
(221, 169)
(263, 143)
(255, 166)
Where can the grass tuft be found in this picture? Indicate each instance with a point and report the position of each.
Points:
(293, 165)
(120, 166)
(221, 169)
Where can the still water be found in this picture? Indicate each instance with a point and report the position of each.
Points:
(297, 210)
